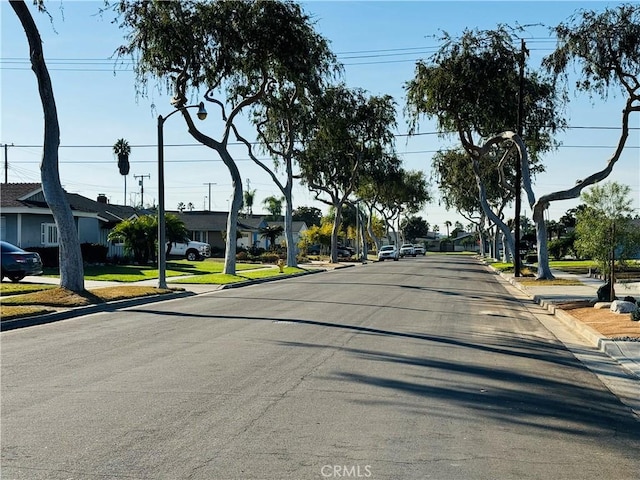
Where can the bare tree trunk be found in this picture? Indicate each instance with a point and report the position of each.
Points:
(334, 232)
(292, 248)
(70, 260)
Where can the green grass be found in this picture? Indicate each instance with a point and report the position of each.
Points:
(222, 279)
(22, 288)
(135, 273)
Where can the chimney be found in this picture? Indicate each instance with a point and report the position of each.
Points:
(102, 198)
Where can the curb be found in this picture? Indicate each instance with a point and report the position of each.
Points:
(12, 324)
(612, 348)
(6, 325)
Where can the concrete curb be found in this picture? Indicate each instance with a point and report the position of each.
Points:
(6, 325)
(12, 324)
(616, 349)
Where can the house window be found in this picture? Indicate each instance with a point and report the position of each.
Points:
(3, 227)
(49, 234)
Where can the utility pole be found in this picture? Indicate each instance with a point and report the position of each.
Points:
(141, 183)
(6, 163)
(209, 183)
(517, 261)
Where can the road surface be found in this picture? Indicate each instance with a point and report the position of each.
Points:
(426, 368)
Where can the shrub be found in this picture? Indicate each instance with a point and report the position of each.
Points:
(94, 252)
(635, 315)
(269, 257)
(50, 255)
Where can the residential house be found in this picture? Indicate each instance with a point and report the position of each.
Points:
(27, 221)
(210, 227)
(298, 227)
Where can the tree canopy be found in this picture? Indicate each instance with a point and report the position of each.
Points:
(237, 52)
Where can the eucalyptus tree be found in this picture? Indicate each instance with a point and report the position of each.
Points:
(372, 190)
(605, 48)
(452, 171)
(404, 192)
(236, 52)
(346, 134)
(471, 86)
(70, 256)
(278, 121)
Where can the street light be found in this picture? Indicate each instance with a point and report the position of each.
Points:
(162, 256)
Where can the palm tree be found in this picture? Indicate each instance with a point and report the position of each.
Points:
(181, 207)
(122, 150)
(176, 231)
(274, 206)
(447, 224)
(271, 232)
(249, 196)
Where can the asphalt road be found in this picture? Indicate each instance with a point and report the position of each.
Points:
(426, 368)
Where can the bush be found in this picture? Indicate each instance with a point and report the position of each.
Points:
(269, 258)
(635, 315)
(94, 253)
(50, 256)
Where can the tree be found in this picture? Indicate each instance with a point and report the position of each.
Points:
(71, 265)
(249, 197)
(485, 123)
(236, 52)
(309, 215)
(279, 119)
(606, 49)
(271, 233)
(346, 135)
(176, 231)
(274, 206)
(139, 236)
(415, 227)
(181, 207)
(122, 150)
(604, 229)
(447, 224)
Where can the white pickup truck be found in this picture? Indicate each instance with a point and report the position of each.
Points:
(190, 250)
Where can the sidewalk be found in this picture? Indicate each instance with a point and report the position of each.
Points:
(627, 353)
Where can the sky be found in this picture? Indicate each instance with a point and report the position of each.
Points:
(378, 42)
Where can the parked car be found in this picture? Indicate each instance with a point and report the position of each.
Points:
(407, 250)
(419, 250)
(388, 252)
(344, 252)
(313, 249)
(18, 263)
(190, 250)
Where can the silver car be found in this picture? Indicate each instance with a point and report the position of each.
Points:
(388, 252)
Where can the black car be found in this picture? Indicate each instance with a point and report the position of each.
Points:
(18, 263)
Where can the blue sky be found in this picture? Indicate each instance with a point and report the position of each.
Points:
(378, 42)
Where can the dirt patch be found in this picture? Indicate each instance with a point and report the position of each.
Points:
(604, 321)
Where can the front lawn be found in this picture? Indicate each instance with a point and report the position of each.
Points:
(175, 268)
(221, 278)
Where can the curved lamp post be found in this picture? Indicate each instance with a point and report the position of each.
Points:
(162, 256)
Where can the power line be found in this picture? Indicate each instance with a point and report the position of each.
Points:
(419, 134)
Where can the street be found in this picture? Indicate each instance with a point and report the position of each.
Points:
(425, 368)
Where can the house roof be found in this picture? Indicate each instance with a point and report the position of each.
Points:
(203, 221)
(296, 226)
(11, 193)
(108, 211)
(28, 195)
